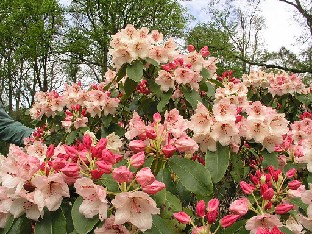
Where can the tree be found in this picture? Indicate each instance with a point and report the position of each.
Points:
(94, 21)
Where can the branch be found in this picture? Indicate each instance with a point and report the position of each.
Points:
(261, 64)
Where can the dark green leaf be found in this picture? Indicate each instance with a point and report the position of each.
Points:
(52, 223)
(71, 137)
(165, 97)
(108, 182)
(205, 74)
(81, 224)
(21, 225)
(285, 230)
(193, 176)
(8, 225)
(120, 74)
(269, 159)
(135, 70)
(155, 88)
(217, 162)
(161, 226)
(130, 86)
(191, 96)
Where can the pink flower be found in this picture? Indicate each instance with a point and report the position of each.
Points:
(50, 191)
(145, 176)
(212, 216)
(110, 227)
(200, 208)
(268, 194)
(283, 208)
(186, 144)
(154, 187)
(135, 207)
(228, 220)
(264, 221)
(122, 174)
(71, 170)
(137, 160)
(182, 217)
(190, 48)
(247, 188)
(291, 172)
(168, 150)
(240, 206)
(294, 185)
(94, 198)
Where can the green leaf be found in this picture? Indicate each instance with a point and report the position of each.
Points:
(155, 88)
(211, 90)
(81, 224)
(66, 208)
(135, 70)
(205, 74)
(217, 162)
(71, 137)
(120, 74)
(285, 230)
(165, 97)
(269, 159)
(8, 225)
(108, 182)
(193, 175)
(191, 96)
(237, 227)
(21, 225)
(298, 202)
(129, 87)
(52, 223)
(168, 203)
(161, 226)
(151, 61)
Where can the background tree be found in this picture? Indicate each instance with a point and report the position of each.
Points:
(92, 23)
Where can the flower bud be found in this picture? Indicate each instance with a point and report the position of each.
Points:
(247, 188)
(268, 194)
(157, 117)
(294, 185)
(212, 216)
(291, 172)
(283, 208)
(137, 160)
(122, 174)
(96, 173)
(87, 141)
(228, 220)
(200, 208)
(213, 204)
(137, 145)
(182, 217)
(240, 206)
(145, 176)
(190, 48)
(103, 166)
(168, 150)
(50, 151)
(71, 170)
(154, 187)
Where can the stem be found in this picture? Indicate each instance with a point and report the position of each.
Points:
(260, 208)
(217, 229)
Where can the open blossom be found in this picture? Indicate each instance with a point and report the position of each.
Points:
(264, 221)
(50, 191)
(240, 206)
(202, 120)
(110, 227)
(135, 207)
(94, 198)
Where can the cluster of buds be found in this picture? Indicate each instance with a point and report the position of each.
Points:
(143, 88)
(227, 76)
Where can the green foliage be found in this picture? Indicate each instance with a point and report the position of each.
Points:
(52, 223)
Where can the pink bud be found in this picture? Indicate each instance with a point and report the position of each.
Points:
(247, 188)
(154, 187)
(137, 160)
(294, 185)
(182, 217)
(291, 173)
(108, 157)
(50, 151)
(103, 166)
(96, 173)
(168, 150)
(87, 141)
(122, 174)
(151, 134)
(201, 208)
(166, 67)
(228, 220)
(190, 48)
(205, 52)
(212, 216)
(102, 144)
(268, 194)
(145, 176)
(157, 117)
(71, 170)
(58, 163)
(213, 204)
(240, 206)
(283, 208)
(137, 145)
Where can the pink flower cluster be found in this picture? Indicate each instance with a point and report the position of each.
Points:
(77, 101)
(227, 124)
(185, 69)
(277, 84)
(156, 137)
(298, 141)
(130, 44)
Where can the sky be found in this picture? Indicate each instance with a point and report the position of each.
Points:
(281, 28)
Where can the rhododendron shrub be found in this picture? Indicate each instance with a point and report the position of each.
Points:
(164, 145)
